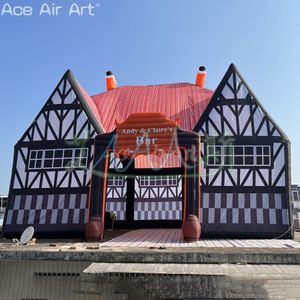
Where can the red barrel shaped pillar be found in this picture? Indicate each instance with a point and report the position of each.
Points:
(94, 229)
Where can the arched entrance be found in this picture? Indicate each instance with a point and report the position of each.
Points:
(143, 135)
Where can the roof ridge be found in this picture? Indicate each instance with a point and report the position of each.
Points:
(152, 85)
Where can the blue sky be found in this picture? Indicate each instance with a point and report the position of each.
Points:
(149, 42)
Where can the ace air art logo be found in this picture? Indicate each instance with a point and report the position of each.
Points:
(48, 9)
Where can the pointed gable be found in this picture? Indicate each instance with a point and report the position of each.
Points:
(235, 111)
(68, 114)
(235, 87)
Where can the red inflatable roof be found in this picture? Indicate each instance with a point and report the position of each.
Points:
(183, 101)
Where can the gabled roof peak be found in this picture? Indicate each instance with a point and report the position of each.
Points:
(153, 86)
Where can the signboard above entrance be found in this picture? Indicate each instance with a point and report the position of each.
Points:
(146, 133)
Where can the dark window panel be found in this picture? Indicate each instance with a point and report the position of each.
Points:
(259, 150)
(76, 163)
(238, 150)
(77, 153)
(218, 149)
(58, 154)
(83, 162)
(238, 160)
(119, 181)
(218, 160)
(228, 160)
(67, 163)
(210, 160)
(83, 152)
(266, 150)
(57, 163)
(33, 154)
(266, 160)
(249, 160)
(38, 164)
(210, 150)
(68, 153)
(174, 180)
(40, 154)
(249, 150)
(152, 182)
(228, 150)
(31, 164)
(259, 160)
(48, 163)
(49, 154)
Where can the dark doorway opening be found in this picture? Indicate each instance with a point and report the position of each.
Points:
(144, 197)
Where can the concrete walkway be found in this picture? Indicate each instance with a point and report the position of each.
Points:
(198, 281)
(271, 271)
(116, 249)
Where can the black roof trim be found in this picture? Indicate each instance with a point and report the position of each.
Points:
(69, 75)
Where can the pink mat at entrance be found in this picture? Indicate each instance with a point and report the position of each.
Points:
(172, 238)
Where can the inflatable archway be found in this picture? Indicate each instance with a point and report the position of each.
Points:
(144, 134)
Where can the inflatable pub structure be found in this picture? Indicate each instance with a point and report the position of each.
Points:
(156, 156)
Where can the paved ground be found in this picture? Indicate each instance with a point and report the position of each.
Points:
(52, 269)
(57, 280)
(109, 235)
(172, 238)
(196, 269)
(199, 281)
(80, 250)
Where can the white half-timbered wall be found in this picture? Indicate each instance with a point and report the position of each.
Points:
(250, 195)
(234, 117)
(62, 124)
(116, 192)
(158, 197)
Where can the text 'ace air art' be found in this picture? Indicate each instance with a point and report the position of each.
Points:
(50, 10)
